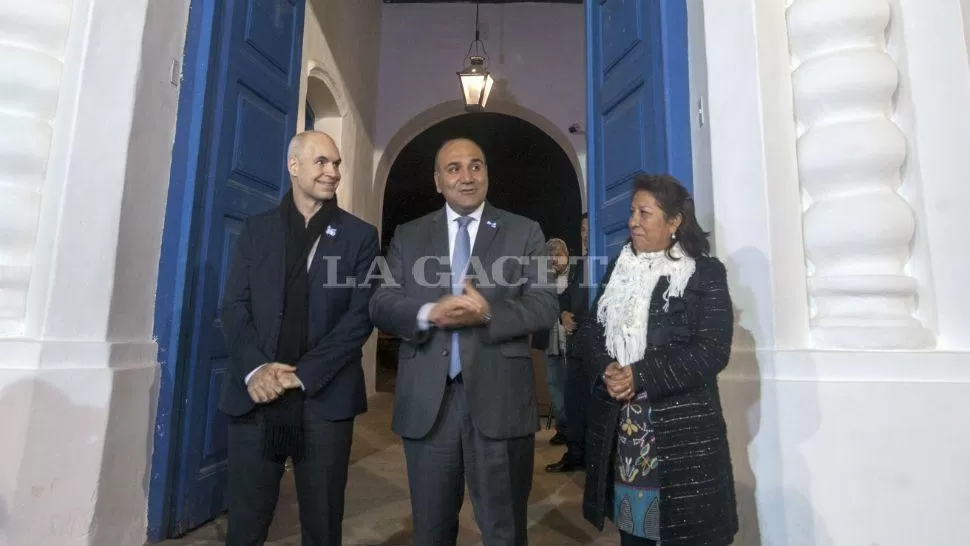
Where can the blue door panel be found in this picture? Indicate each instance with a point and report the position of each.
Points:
(620, 30)
(244, 198)
(638, 108)
(216, 436)
(259, 126)
(270, 27)
(624, 136)
(676, 66)
(250, 112)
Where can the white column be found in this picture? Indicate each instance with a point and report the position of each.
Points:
(87, 111)
(32, 37)
(857, 228)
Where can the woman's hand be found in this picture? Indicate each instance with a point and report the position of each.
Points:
(619, 381)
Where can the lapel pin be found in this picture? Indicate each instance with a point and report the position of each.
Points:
(331, 232)
(491, 223)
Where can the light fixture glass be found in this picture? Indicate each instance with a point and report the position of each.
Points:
(476, 82)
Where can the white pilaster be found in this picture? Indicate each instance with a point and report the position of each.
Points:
(756, 203)
(857, 228)
(809, 427)
(87, 110)
(929, 41)
(32, 38)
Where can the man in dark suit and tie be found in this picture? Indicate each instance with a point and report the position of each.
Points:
(465, 400)
(295, 315)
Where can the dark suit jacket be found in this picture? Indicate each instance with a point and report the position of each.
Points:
(574, 299)
(497, 368)
(338, 323)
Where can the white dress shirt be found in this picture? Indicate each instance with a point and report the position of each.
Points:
(452, 218)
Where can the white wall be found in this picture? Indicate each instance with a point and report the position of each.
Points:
(340, 49)
(537, 55)
(78, 379)
(842, 447)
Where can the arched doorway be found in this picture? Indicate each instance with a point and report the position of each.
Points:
(322, 112)
(529, 174)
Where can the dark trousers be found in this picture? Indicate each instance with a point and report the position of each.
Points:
(321, 479)
(579, 385)
(498, 474)
(633, 540)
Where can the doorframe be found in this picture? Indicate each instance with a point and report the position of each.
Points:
(193, 124)
(675, 69)
(593, 177)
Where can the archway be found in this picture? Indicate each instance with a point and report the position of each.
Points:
(575, 150)
(529, 174)
(323, 112)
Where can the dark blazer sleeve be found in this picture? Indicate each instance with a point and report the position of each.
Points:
(532, 309)
(342, 344)
(597, 338)
(677, 369)
(576, 297)
(391, 309)
(245, 354)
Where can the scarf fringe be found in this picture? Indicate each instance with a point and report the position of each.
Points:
(283, 440)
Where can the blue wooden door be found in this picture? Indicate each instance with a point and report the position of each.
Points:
(638, 108)
(241, 110)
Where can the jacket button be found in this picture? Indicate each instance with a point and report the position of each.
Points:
(444, 352)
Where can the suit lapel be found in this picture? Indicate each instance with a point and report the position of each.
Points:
(486, 234)
(328, 241)
(437, 237)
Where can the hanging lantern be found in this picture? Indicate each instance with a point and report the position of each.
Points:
(476, 84)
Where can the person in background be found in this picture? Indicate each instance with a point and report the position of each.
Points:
(573, 306)
(584, 235)
(555, 354)
(658, 462)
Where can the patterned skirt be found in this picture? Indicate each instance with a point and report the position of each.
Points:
(636, 491)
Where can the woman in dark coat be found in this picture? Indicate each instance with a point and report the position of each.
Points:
(657, 454)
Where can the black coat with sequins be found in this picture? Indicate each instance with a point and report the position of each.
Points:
(688, 345)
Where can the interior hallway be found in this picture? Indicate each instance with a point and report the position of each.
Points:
(378, 510)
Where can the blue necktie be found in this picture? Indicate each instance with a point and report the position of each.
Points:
(459, 261)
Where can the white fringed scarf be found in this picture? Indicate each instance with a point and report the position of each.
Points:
(625, 305)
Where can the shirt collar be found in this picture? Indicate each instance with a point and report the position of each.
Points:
(475, 214)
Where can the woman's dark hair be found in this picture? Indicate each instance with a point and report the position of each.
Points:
(674, 199)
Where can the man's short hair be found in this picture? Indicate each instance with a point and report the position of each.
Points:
(552, 245)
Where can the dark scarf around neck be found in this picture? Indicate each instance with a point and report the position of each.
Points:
(283, 417)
